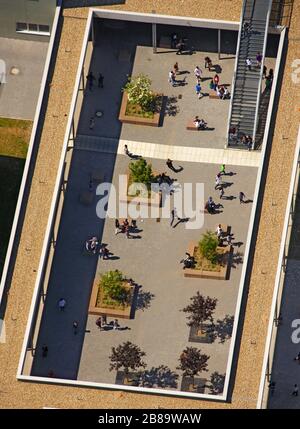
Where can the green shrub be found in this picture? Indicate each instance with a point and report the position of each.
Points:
(112, 283)
(139, 92)
(208, 246)
(141, 172)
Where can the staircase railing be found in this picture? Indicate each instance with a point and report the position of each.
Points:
(235, 71)
(261, 74)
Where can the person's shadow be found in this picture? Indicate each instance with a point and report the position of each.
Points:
(182, 220)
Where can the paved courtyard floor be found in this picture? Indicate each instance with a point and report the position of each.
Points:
(159, 327)
(19, 95)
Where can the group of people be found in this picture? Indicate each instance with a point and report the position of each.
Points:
(247, 140)
(200, 124)
(102, 323)
(92, 245)
(223, 236)
(124, 227)
(221, 90)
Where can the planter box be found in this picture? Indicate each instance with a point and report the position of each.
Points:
(135, 120)
(207, 336)
(154, 200)
(217, 275)
(187, 385)
(110, 312)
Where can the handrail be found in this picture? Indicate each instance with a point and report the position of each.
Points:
(234, 72)
(261, 74)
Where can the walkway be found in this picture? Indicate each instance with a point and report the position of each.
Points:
(176, 153)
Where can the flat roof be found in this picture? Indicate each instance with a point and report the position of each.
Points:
(16, 394)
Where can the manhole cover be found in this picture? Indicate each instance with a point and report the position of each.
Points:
(99, 114)
(14, 70)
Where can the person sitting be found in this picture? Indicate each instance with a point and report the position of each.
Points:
(220, 91)
(200, 124)
(92, 244)
(180, 47)
(188, 261)
(226, 94)
(232, 133)
(104, 252)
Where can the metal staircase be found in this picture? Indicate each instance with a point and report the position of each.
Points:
(246, 89)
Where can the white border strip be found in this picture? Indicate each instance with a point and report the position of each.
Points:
(55, 196)
(278, 274)
(222, 397)
(29, 153)
(253, 212)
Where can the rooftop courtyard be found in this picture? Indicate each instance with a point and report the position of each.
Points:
(152, 255)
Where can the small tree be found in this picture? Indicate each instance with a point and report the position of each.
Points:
(208, 246)
(200, 310)
(192, 361)
(127, 356)
(141, 172)
(113, 286)
(139, 92)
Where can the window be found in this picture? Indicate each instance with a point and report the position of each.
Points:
(33, 27)
(41, 29)
(21, 26)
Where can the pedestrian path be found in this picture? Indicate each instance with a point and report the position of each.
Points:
(176, 153)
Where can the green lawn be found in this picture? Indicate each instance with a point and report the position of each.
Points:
(14, 139)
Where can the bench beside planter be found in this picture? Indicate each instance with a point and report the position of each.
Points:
(109, 311)
(136, 120)
(205, 274)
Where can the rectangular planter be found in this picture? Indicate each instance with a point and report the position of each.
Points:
(110, 312)
(135, 120)
(217, 275)
(154, 200)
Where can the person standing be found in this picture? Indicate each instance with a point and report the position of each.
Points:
(264, 74)
(62, 304)
(117, 226)
(207, 63)
(242, 197)
(216, 81)
(115, 324)
(218, 181)
(174, 215)
(126, 150)
(198, 73)
(259, 58)
(176, 68)
(92, 123)
(222, 170)
(198, 90)
(75, 327)
(248, 63)
(172, 79)
(44, 350)
(100, 80)
(296, 390)
(90, 78)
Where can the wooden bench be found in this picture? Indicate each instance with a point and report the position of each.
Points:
(191, 126)
(213, 94)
